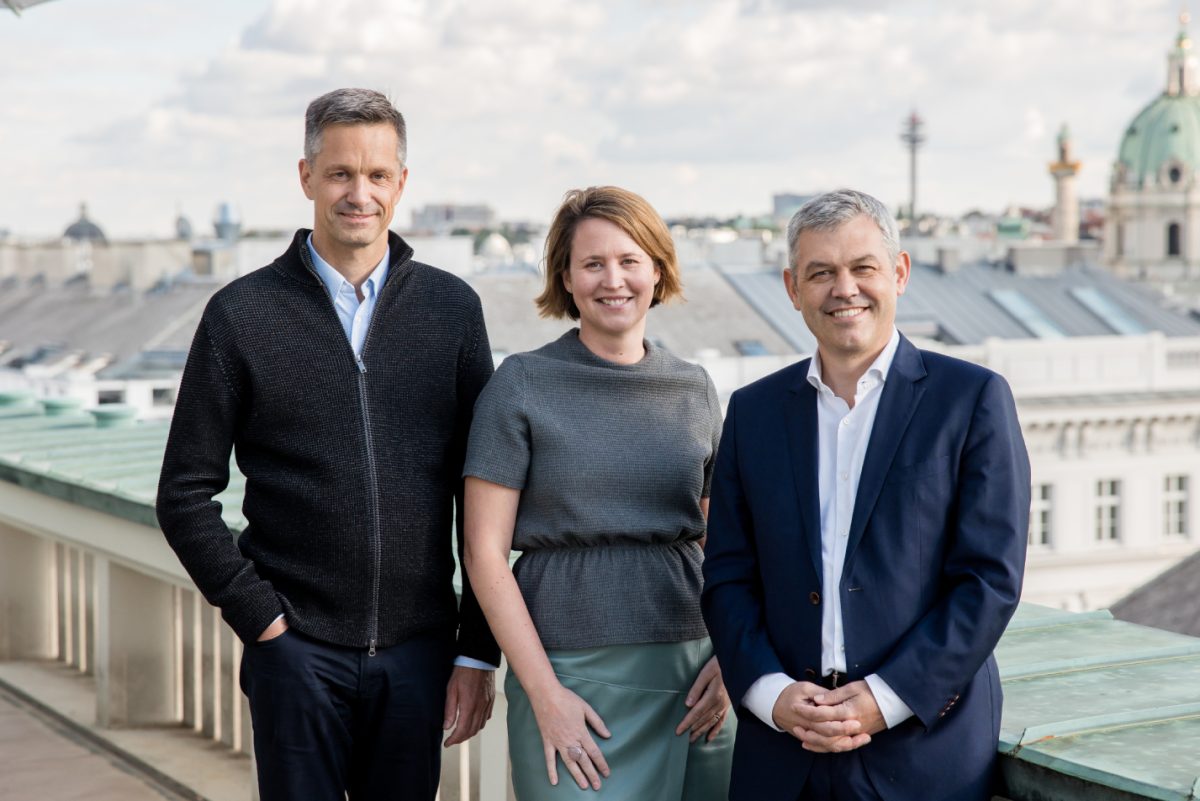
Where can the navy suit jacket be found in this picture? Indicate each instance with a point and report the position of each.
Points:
(932, 574)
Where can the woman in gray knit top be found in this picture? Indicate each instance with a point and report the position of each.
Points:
(593, 456)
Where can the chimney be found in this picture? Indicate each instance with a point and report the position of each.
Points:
(947, 260)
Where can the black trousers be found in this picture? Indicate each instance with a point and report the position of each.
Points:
(839, 777)
(330, 720)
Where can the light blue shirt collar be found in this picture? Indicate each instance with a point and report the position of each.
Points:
(334, 280)
(353, 314)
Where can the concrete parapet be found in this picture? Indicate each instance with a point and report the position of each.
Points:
(26, 598)
(135, 682)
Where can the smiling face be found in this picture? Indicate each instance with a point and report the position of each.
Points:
(611, 279)
(846, 286)
(354, 182)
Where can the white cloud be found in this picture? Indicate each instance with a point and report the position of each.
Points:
(1035, 125)
(707, 107)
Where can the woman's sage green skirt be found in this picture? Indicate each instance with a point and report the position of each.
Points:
(638, 690)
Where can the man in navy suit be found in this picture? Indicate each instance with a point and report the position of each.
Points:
(866, 541)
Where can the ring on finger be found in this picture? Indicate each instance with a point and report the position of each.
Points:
(575, 752)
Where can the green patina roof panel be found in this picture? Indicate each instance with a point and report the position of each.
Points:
(1103, 704)
(112, 470)
(1165, 131)
(1091, 644)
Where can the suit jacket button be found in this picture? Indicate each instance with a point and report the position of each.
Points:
(814, 598)
(809, 673)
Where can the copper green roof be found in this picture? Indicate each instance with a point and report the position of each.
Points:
(1163, 134)
(1098, 708)
(112, 469)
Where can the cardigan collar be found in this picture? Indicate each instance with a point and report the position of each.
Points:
(296, 262)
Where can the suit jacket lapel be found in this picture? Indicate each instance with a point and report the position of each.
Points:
(901, 393)
(801, 417)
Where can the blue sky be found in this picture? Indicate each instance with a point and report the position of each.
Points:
(141, 108)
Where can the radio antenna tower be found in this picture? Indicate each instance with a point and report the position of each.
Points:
(914, 137)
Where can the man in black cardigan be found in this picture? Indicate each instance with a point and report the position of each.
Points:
(343, 377)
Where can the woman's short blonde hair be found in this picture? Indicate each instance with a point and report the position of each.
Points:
(628, 211)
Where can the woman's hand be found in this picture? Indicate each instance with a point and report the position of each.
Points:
(708, 704)
(563, 719)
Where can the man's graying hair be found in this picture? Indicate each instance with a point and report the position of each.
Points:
(351, 107)
(832, 210)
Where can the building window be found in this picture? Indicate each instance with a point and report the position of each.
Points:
(163, 396)
(1173, 239)
(1108, 510)
(1175, 506)
(110, 396)
(1041, 516)
(1120, 239)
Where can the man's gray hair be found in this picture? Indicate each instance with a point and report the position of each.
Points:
(351, 107)
(834, 209)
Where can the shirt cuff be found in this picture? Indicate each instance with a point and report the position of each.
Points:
(894, 710)
(762, 695)
(468, 662)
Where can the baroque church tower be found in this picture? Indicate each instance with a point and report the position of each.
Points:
(1153, 226)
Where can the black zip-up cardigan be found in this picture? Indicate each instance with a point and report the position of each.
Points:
(352, 469)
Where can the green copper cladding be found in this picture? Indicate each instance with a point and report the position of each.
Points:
(1161, 147)
(109, 465)
(1096, 708)
(1164, 134)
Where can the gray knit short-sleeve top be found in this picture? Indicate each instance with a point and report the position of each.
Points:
(612, 461)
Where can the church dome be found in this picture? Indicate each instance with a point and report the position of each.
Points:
(1162, 144)
(495, 247)
(1161, 147)
(83, 229)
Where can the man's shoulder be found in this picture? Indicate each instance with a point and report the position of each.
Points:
(782, 380)
(271, 278)
(955, 371)
(441, 281)
(245, 293)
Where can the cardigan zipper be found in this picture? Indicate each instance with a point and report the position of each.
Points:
(372, 471)
(373, 479)
(372, 475)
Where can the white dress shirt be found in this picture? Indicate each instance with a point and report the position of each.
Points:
(843, 436)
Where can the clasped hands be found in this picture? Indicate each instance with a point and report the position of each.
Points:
(829, 721)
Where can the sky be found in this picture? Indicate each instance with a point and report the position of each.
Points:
(145, 109)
